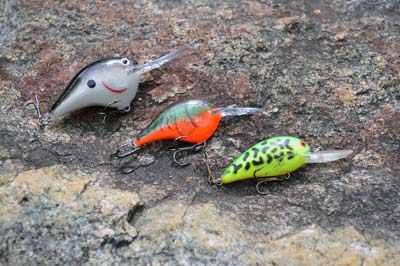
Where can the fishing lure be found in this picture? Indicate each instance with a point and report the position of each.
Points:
(193, 121)
(110, 82)
(274, 157)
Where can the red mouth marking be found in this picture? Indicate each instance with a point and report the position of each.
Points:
(113, 90)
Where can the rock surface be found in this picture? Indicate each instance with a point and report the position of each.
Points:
(326, 71)
(57, 212)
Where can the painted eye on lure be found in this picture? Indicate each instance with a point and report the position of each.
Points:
(274, 157)
(192, 121)
(116, 81)
(91, 83)
(303, 144)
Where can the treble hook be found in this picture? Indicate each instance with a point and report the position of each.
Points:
(270, 179)
(126, 170)
(120, 153)
(123, 153)
(210, 175)
(121, 165)
(105, 113)
(196, 148)
(42, 120)
(259, 191)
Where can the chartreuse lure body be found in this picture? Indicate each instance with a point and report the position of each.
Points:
(276, 156)
(193, 121)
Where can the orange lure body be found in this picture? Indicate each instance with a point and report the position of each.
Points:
(194, 129)
(193, 121)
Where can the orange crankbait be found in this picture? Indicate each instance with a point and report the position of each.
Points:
(193, 121)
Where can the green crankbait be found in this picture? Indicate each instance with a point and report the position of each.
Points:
(274, 157)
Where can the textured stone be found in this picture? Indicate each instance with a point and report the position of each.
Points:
(341, 36)
(9, 170)
(62, 212)
(288, 23)
(203, 234)
(325, 71)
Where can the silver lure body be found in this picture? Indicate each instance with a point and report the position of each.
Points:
(111, 82)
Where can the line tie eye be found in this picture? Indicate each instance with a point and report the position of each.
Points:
(91, 83)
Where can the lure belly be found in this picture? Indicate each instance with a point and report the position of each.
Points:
(111, 82)
(193, 121)
(276, 156)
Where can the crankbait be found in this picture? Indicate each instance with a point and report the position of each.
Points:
(276, 156)
(110, 82)
(193, 121)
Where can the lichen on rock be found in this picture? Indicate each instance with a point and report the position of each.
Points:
(63, 213)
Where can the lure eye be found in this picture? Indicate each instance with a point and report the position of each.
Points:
(91, 83)
(303, 144)
(125, 61)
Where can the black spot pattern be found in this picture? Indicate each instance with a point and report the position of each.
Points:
(279, 143)
(287, 144)
(290, 155)
(269, 158)
(265, 149)
(274, 150)
(236, 168)
(259, 162)
(247, 167)
(246, 155)
(279, 157)
(255, 152)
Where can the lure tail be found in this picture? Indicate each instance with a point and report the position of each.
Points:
(235, 111)
(160, 61)
(327, 156)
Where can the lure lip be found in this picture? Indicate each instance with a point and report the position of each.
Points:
(236, 111)
(327, 156)
(146, 67)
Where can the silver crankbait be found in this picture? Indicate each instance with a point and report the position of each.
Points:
(110, 82)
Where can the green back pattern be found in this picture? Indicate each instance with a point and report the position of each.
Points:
(184, 110)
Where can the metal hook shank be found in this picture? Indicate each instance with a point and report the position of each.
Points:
(270, 179)
(195, 148)
(206, 160)
(42, 120)
(120, 151)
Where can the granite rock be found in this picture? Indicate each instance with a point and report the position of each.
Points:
(325, 71)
